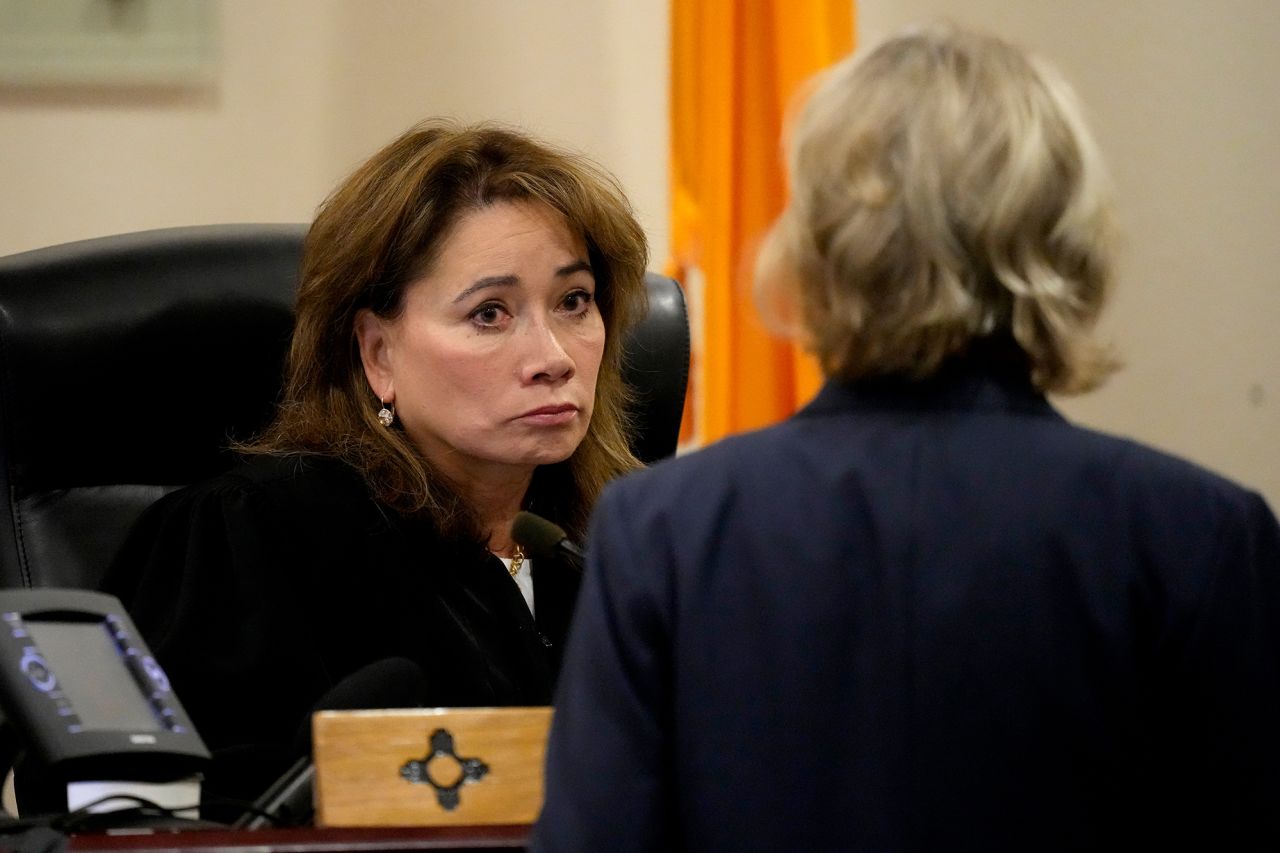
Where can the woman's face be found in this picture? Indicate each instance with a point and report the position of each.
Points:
(492, 362)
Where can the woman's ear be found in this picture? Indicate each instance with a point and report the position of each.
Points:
(776, 285)
(373, 340)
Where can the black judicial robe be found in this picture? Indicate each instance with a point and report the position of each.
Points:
(260, 590)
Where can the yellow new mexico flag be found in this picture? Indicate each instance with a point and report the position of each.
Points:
(735, 66)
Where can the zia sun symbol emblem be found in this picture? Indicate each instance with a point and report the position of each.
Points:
(444, 770)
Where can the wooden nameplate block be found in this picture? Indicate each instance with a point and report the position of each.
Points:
(429, 767)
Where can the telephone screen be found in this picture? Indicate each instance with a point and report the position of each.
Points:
(86, 663)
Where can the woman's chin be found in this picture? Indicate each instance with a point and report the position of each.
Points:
(549, 452)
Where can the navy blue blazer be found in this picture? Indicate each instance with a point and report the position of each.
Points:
(926, 616)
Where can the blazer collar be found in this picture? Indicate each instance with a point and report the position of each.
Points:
(992, 376)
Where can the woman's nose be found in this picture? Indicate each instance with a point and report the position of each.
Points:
(546, 360)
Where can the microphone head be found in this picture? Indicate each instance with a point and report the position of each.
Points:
(387, 683)
(536, 535)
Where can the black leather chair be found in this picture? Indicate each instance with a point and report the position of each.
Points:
(129, 363)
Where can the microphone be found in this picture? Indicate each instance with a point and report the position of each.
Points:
(542, 538)
(387, 683)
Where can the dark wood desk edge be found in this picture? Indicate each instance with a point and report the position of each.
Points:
(313, 840)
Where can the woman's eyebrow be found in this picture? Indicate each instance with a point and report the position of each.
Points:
(508, 280)
(488, 281)
(576, 266)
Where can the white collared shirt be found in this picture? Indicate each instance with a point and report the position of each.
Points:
(523, 579)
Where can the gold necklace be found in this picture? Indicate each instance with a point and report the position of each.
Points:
(517, 560)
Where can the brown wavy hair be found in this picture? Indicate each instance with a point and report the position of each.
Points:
(945, 188)
(379, 231)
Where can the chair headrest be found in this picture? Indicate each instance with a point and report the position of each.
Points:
(133, 359)
(655, 364)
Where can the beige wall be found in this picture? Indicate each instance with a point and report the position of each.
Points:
(80, 163)
(307, 88)
(588, 74)
(1183, 95)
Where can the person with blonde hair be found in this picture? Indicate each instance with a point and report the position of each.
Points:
(456, 359)
(927, 613)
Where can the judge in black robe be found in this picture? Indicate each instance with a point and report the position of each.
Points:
(260, 590)
(456, 359)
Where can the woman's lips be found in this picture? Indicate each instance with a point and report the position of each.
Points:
(551, 415)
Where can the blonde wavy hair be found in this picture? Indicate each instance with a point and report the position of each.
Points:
(944, 189)
(374, 235)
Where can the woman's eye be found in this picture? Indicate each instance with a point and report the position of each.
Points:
(577, 302)
(488, 314)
